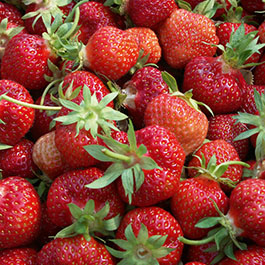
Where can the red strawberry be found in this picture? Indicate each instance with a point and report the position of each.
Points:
(111, 52)
(177, 115)
(258, 72)
(252, 6)
(11, 12)
(149, 42)
(217, 81)
(17, 119)
(261, 30)
(144, 85)
(223, 127)
(195, 263)
(70, 188)
(191, 202)
(253, 255)
(25, 61)
(140, 229)
(19, 256)
(47, 157)
(21, 209)
(17, 161)
(74, 250)
(146, 13)
(94, 16)
(224, 153)
(179, 46)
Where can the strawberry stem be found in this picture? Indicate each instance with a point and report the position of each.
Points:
(114, 155)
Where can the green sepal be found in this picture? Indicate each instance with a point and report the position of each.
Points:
(184, 5)
(11, 32)
(97, 151)
(208, 222)
(170, 81)
(5, 146)
(207, 8)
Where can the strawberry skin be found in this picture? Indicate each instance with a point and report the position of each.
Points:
(191, 203)
(178, 45)
(258, 72)
(74, 250)
(188, 124)
(17, 119)
(26, 61)
(111, 52)
(247, 210)
(11, 12)
(20, 208)
(18, 256)
(215, 83)
(158, 222)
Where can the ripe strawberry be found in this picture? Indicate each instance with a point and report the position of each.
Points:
(151, 236)
(74, 250)
(217, 81)
(145, 84)
(19, 256)
(148, 41)
(10, 12)
(195, 263)
(111, 52)
(21, 209)
(253, 6)
(223, 127)
(258, 72)
(17, 119)
(253, 255)
(224, 153)
(152, 159)
(180, 116)
(47, 157)
(94, 16)
(191, 202)
(70, 188)
(17, 161)
(261, 30)
(179, 47)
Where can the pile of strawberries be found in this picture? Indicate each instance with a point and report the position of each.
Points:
(132, 132)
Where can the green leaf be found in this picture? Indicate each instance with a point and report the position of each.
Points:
(96, 151)
(75, 210)
(208, 222)
(129, 234)
(5, 146)
(112, 114)
(247, 134)
(170, 81)
(229, 251)
(131, 136)
(148, 163)
(70, 104)
(127, 178)
(139, 176)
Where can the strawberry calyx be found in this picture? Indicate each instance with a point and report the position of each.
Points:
(4, 146)
(224, 233)
(240, 48)
(91, 114)
(128, 162)
(257, 121)
(142, 249)
(215, 172)
(88, 222)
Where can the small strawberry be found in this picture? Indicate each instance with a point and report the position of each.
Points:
(253, 6)
(19, 256)
(223, 127)
(149, 235)
(17, 161)
(74, 250)
(21, 210)
(10, 12)
(145, 84)
(179, 46)
(16, 119)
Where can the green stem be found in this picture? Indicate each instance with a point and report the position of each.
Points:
(196, 242)
(75, 24)
(47, 89)
(114, 155)
(25, 104)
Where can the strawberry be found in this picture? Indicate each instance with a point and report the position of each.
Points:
(195, 263)
(217, 81)
(145, 84)
(17, 161)
(180, 115)
(261, 30)
(146, 13)
(178, 46)
(70, 188)
(148, 41)
(224, 153)
(47, 157)
(93, 16)
(16, 119)
(21, 209)
(192, 201)
(74, 250)
(216, 131)
(254, 5)
(111, 52)
(259, 78)
(10, 12)
(19, 256)
(149, 235)
(146, 166)
(253, 255)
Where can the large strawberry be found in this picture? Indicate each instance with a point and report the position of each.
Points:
(21, 256)
(74, 250)
(144, 168)
(179, 46)
(217, 81)
(148, 235)
(15, 120)
(20, 212)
